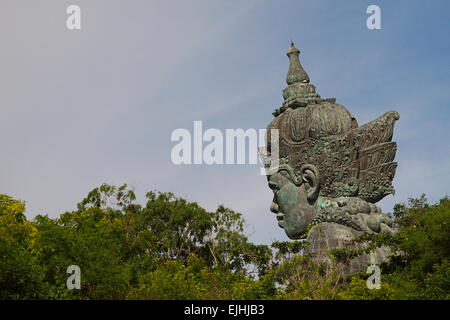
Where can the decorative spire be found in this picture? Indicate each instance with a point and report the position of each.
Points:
(299, 92)
(296, 72)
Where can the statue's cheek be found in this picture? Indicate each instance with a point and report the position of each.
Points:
(286, 200)
(291, 204)
(295, 197)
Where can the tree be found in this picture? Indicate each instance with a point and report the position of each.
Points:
(171, 248)
(20, 273)
(420, 269)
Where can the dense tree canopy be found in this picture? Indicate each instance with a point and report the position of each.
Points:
(170, 248)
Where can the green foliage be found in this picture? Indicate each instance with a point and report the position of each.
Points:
(300, 277)
(357, 290)
(176, 280)
(83, 239)
(20, 273)
(170, 248)
(422, 270)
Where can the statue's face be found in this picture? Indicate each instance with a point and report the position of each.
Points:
(290, 204)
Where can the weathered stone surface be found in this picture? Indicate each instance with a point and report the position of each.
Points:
(327, 236)
(331, 171)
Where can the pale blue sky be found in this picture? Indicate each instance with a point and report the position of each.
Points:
(80, 108)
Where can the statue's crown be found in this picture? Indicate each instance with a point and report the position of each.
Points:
(352, 160)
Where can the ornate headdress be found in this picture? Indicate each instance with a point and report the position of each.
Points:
(352, 160)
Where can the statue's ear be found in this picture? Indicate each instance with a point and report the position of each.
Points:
(311, 179)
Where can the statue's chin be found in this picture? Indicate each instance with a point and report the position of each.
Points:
(294, 235)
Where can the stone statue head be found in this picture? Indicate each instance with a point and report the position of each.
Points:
(329, 169)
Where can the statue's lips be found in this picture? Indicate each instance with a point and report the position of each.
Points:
(276, 209)
(280, 218)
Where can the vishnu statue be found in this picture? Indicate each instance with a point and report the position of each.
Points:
(330, 171)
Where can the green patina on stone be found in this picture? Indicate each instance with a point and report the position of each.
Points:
(331, 170)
